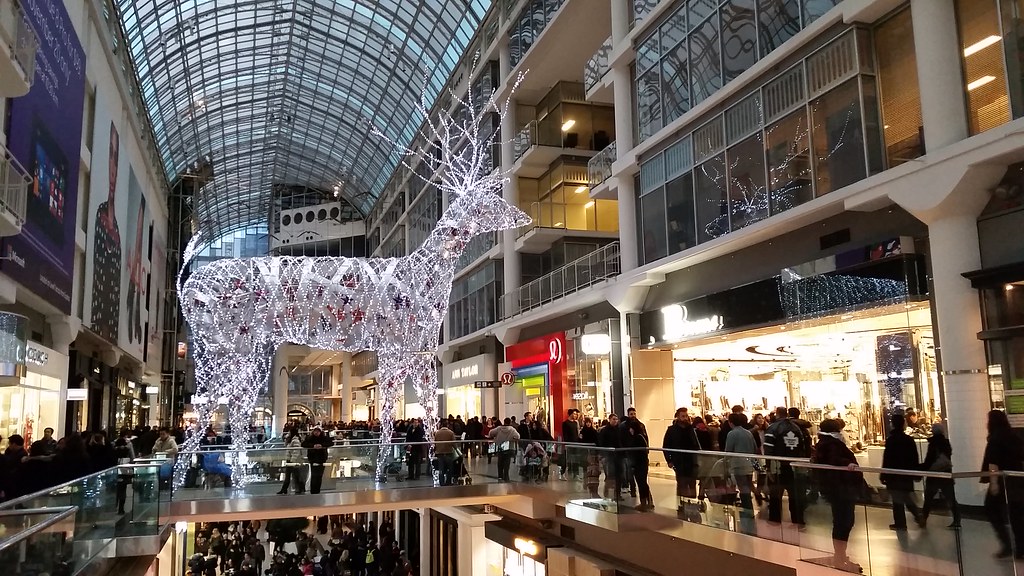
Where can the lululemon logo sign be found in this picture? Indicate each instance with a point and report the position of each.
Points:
(508, 378)
(554, 351)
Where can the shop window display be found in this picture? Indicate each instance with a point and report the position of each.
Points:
(859, 366)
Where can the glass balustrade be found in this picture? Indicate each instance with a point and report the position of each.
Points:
(599, 168)
(117, 502)
(584, 272)
(34, 541)
(597, 65)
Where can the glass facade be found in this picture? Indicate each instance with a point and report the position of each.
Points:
(527, 27)
(559, 199)
(703, 44)
(900, 93)
(474, 301)
(809, 131)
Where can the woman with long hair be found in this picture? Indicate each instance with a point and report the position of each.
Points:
(1004, 500)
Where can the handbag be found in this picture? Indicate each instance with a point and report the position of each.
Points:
(942, 464)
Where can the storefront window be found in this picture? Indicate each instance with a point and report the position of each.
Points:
(652, 206)
(705, 60)
(981, 40)
(508, 562)
(682, 230)
(858, 366)
(748, 198)
(900, 91)
(789, 162)
(838, 138)
(711, 199)
(739, 37)
(591, 383)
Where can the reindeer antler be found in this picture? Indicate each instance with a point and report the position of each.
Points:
(454, 149)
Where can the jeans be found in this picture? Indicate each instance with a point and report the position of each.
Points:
(504, 463)
(932, 486)
(316, 477)
(999, 512)
(446, 468)
(122, 492)
(787, 481)
(415, 464)
(569, 463)
(903, 500)
(294, 475)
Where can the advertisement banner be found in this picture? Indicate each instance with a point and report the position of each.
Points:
(108, 207)
(45, 136)
(135, 271)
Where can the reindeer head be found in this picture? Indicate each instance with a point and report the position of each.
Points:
(479, 212)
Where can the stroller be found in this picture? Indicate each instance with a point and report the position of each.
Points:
(534, 460)
(462, 477)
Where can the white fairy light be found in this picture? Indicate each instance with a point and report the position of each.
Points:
(240, 310)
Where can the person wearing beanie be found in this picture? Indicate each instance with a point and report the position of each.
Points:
(842, 488)
(939, 459)
(316, 445)
(901, 454)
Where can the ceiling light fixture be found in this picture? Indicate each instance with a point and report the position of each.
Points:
(589, 205)
(568, 125)
(980, 82)
(581, 189)
(981, 44)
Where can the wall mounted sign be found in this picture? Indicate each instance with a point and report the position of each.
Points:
(487, 384)
(508, 378)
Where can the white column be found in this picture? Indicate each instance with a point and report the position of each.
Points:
(348, 382)
(279, 390)
(938, 73)
(623, 90)
(620, 20)
(954, 250)
(424, 540)
(512, 266)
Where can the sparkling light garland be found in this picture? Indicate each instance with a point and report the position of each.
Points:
(240, 310)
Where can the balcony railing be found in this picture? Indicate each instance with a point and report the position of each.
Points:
(581, 273)
(599, 168)
(597, 66)
(16, 30)
(14, 186)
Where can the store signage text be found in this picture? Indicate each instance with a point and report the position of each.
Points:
(36, 356)
(678, 325)
(466, 372)
(596, 344)
(487, 384)
(580, 396)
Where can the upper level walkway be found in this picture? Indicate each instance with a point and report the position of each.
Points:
(712, 515)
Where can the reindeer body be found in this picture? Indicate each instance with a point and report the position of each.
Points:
(332, 303)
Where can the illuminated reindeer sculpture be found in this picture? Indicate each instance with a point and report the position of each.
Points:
(240, 310)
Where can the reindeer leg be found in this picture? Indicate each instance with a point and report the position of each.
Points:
(245, 378)
(392, 379)
(206, 385)
(424, 378)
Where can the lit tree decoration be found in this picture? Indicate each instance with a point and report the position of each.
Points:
(240, 310)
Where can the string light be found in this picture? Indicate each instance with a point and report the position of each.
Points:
(240, 310)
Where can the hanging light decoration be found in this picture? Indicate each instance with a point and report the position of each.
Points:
(240, 310)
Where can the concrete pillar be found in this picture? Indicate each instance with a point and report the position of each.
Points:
(279, 390)
(512, 275)
(504, 53)
(949, 202)
(954, 250)
(424, 540)
(938, 73)
(623, 90)
(348, 382)
(620, 20)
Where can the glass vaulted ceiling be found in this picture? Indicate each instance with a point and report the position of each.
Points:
(280, 91)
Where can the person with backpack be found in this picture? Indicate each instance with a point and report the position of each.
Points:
(785, 439)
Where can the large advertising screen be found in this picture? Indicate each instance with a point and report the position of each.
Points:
(45, 135)
(135, 271)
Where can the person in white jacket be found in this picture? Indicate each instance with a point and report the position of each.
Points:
(295, 466)
(505, 438)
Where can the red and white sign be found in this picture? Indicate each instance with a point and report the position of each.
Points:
(508, 378)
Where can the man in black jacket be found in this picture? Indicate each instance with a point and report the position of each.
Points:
(682, 436)
(416, 437)
(570, 435)
(316, 444)
(525, 430)
(901, 454)
(611, 437)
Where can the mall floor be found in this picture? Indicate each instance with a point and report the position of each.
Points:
(880, 551)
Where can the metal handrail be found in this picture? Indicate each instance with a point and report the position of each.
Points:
(57, 514)
(599, 168)
(15, 181)
(605, 259)
(25, 41)
(597, 66)
(49, 491)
